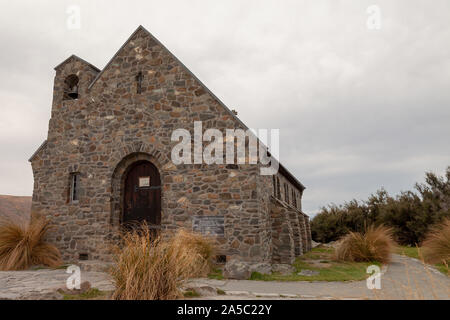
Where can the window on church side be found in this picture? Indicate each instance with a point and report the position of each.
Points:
(278, 196)
(286, 193)
(74, 186)
(274, 186)
(294, 198)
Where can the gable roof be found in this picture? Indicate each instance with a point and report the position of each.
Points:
(141, 28)
(291, 178)
(285, 172)
(117, 53)
(78, 58)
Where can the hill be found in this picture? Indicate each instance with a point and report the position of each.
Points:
(14, 207)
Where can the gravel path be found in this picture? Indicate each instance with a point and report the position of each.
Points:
(404, 278)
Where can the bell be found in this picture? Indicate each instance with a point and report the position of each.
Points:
(73, 93)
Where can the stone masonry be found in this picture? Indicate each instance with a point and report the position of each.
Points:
(104, 121)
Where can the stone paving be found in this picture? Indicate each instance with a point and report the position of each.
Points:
(42, 284)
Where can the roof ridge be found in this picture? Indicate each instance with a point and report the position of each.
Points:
(43, 144)
(115, 55)
(81, 59)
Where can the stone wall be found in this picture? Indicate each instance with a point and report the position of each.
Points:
(308, 233)
(290, 235)
(282, 234)
(111, 125)
(296, 232)
(303, 232)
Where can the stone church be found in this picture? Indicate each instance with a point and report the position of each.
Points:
(107, 162)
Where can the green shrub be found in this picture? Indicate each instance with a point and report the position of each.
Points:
(409, 214)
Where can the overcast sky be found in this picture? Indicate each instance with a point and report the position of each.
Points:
(357, 108)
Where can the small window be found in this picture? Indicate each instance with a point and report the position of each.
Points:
(221, 259)
(74, 186)
(139, 78)
(83, 256)
(286, 193)
(294, 198)
(274, 186)
(278, 189)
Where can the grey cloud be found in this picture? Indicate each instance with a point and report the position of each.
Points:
(357, 109)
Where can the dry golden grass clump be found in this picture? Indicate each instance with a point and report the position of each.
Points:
(376, 244)
(147, 269)
(22, 245)
(200, 246)
(436, 247)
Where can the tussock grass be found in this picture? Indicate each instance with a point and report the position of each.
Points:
(436, 247)
(22, 245)
(202, 247)
(155, 269)
(376, 244)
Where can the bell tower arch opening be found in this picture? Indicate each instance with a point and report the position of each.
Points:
(71, 87)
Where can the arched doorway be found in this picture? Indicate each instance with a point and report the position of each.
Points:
(142, 195)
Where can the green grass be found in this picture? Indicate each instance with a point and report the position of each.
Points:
(92, 293)
(412, 252)
(443, 268)
(216, 273)
(63, 266)
(314, 252)
(220, 292)
(335, 271)
(191, 294)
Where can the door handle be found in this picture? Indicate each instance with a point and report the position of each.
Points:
(136, 188)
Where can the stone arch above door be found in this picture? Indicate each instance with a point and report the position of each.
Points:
(118, 178)
(123, 151)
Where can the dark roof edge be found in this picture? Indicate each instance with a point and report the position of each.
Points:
(115, 55)
(77, 57)
(287, 205)
(42, 146)
(178, 61)
(290, 177)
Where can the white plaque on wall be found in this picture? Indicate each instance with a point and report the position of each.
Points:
(144, 182)
(209, 225)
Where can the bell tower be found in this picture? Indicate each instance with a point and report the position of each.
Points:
(72, 80)
(70, 86)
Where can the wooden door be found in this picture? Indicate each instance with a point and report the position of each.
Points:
(142, 198)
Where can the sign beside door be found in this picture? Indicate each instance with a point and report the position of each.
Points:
(209, 225)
